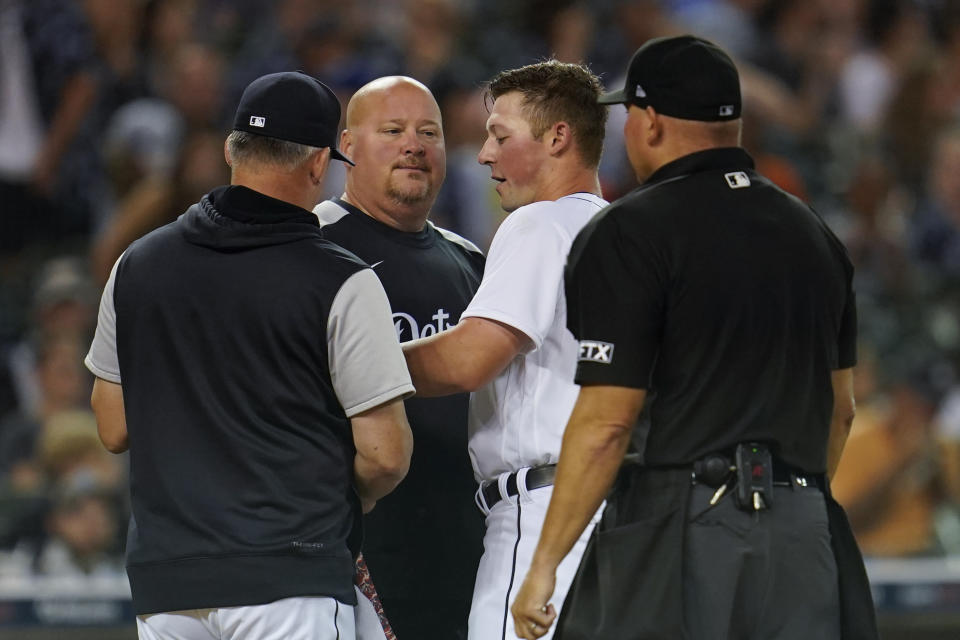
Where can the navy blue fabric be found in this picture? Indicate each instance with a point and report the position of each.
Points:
(241, 457)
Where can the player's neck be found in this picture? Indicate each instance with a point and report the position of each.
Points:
(559, 183)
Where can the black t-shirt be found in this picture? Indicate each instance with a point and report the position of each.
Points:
(429, 523)
(726, 298)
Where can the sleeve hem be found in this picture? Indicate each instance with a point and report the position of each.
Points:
(402, 392)
(592, 375)
(505, 318)
(100, 372)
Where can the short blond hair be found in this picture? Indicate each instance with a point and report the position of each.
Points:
(555, 91)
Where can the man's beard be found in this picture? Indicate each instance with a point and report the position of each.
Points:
(414, 193)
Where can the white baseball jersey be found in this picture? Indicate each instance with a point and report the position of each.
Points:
(518, 419)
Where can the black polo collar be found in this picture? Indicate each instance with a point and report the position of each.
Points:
(727, 158)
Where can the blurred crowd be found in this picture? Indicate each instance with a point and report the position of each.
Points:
(112, 120)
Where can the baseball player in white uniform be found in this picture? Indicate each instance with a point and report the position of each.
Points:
(511, 347)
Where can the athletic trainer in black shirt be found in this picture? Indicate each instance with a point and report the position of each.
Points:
(422, 544)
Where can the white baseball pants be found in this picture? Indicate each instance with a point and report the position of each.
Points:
(303, 618)
(513, 529)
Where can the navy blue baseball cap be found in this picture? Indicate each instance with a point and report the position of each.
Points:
(291, 106)
(683, 77)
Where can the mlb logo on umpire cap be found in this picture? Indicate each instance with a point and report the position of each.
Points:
(258, 121)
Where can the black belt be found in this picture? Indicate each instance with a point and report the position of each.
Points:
(537, 477)
(787, 476)
(784, 475)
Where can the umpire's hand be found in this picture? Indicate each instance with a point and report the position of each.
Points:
(532, 614)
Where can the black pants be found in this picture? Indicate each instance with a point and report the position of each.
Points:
(766, 574)
(664, 565)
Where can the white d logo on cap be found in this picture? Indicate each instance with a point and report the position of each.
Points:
(640, 92)
(258, 121)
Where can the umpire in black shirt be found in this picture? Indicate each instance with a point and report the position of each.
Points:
(720, 308)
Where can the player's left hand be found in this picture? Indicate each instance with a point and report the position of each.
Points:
(532, 615)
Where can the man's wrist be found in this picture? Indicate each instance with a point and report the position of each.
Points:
(542, 564)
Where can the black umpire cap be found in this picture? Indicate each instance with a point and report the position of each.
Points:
(683, 77)
(291, 106)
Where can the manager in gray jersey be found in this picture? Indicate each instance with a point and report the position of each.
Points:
(252, 368)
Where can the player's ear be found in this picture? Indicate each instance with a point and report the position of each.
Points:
(559, 137)
(226, 154)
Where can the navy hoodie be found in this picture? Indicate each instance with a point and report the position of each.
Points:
(241, 456)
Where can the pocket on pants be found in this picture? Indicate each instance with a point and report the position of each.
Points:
(640, 577)
(630, 582)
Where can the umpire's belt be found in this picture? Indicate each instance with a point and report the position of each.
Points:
(536, 478)
(784, 475)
